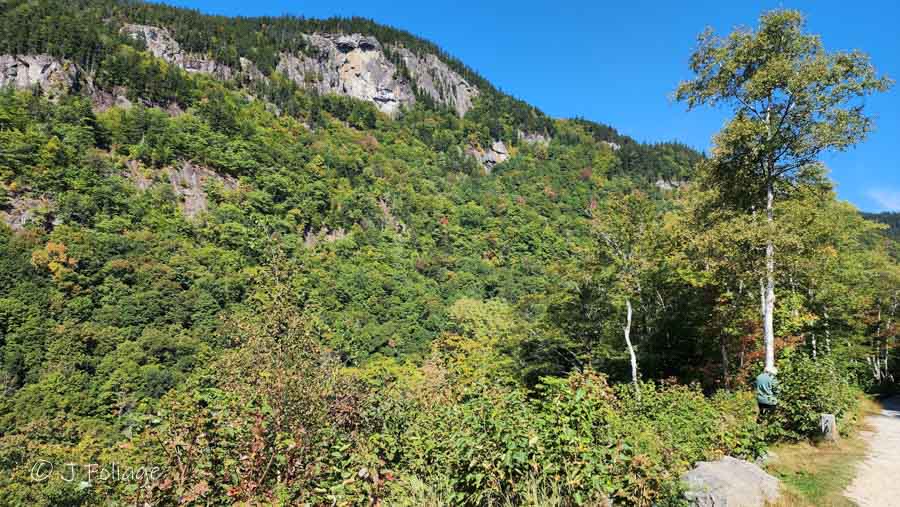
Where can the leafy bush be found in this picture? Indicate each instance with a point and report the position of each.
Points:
(272, 419)
(591, 441)
(808, 388)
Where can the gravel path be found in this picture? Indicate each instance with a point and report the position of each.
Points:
(877, 482)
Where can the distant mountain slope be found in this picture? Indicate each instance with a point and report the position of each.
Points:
(388, 66)
(889, 218)
(245, 135)
(271, 57)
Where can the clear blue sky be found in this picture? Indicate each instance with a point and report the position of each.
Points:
(619, 63)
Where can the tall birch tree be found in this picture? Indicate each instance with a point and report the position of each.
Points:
(628, 233)
(791, 102)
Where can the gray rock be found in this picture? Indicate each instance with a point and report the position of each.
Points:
(160, 43)
(251, 72)
(533, 138)
(668, 184)
(115, 97)
(488, 158)
(439, 81)
(323, 235)
(140, 176)
(189, 181)
(730, 482)
(22, 209)
(353, 65)
(390, 221)
(54, 76)
(358, 66)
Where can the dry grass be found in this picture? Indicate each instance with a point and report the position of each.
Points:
(816, 475)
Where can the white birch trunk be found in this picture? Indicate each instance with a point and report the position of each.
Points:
(769, 299)
(634, 366)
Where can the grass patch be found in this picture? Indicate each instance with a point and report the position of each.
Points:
(816, 475)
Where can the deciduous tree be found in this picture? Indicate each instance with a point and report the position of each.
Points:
(791, 101)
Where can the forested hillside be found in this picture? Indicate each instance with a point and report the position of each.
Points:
(890, 219)
(278, 295)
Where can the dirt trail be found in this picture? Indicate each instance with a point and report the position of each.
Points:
(877, 482)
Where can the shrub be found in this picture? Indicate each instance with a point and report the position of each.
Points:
(694, 426)
(808, 388)
(592, 442)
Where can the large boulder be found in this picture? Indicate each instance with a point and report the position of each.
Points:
(730, 482)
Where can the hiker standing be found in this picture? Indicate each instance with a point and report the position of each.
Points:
(765, 390)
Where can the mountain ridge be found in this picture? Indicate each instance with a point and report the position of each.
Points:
(409, 68)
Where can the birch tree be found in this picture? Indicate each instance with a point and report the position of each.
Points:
(627, 231)
(791, 102)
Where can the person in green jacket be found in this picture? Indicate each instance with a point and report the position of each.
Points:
(766, 385)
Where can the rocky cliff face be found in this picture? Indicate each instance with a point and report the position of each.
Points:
(352, 65)
(161, 44)
(187, 180)
(358, 66)
(189, 183)
(497, 153)
(53, 76)
(434, 77)
(22, 209)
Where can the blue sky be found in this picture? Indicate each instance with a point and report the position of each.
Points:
(619, 63)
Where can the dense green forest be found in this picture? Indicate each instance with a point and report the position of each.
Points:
(347, 309)
(888, 218)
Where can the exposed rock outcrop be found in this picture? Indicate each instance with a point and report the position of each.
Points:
(533, 138)
(614, 146)
(105, 99)
(189, 182)
(161, 44)
(490, 157)
(22, 209)
(139, 175)
(353, 65)
(434, 77)
(730, 482)
(313, 238)
(53, 76)
(391, 222)
(668, 184)
(250, 71)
